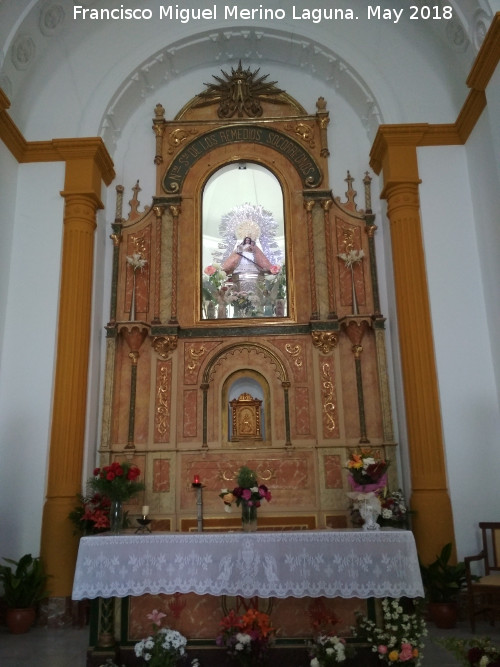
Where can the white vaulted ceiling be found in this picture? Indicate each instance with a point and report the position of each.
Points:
(68, 77)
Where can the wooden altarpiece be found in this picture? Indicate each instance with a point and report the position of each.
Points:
(319, 367)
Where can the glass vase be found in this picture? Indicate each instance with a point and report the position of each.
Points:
(369, 509)
(248, 518)
(116, 516)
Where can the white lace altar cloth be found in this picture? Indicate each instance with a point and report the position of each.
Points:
(310, 563)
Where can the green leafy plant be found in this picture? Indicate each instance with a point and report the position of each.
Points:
(442, 580)
(24, 582)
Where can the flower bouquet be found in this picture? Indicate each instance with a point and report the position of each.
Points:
(328, 650)
(398, 638)
(91, 515)
(247, 637)
(367, 477)
(367, 470)
(118, 482)
(163, 648)
(248, 494)
(473, 652)
(394, 511)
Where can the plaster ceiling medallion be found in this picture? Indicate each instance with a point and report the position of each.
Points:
(481, 23)
(51, 19)
(23, 52)
(457, 35)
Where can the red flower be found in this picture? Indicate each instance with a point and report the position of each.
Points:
(110, 476)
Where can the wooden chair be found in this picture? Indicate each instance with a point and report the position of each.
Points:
(483, 591)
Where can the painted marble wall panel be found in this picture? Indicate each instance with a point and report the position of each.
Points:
(295, 352)
(302, 411)
(349, 238)
(161, 475)
(163, 394)
(289, 475)
(195, 356)
(138, 243)
(143, 400)
(190, 413)
(199, 616)
(333, 471)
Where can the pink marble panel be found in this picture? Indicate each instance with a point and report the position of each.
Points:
(294, 351)
(290, 477)
(195, 356)
(333, 471)
(138, 243)
(302, 420)
(198, 616)
(161, 475)
(358, 269)
(190, 413)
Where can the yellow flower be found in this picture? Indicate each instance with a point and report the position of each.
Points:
(393, 656)
(228, 498)
(356, 462)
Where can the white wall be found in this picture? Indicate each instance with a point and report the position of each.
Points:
(8, 187)
(468, 393)
(27, 355)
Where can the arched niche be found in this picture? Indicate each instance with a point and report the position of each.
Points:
(252, 383)
(243, 245)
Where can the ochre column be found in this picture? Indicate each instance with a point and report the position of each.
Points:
(433, 520)
(87, 164)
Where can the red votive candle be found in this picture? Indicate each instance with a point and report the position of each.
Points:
(196, 479)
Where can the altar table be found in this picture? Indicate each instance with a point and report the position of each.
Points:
(346, 563)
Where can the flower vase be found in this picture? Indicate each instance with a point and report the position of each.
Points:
(221, 311)
(248, 518)
(369, 509)
(211, 310)
(116, 516)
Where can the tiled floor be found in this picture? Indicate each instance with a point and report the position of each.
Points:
(67, 648)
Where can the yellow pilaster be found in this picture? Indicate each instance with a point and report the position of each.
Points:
(433, 520)
(87, 164)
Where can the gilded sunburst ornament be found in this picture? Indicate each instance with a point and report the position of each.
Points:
(240, 93)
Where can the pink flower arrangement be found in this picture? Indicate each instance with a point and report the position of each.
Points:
(248, 491)
(367, 470)
(398, 638)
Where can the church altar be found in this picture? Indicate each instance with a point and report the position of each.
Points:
(346, 563)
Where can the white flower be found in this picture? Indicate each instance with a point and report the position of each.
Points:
(239, 646)
(149, 643)
(315, 662)
(137, 261)
(330, 651)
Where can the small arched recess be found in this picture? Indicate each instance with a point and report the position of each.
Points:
(246, 381)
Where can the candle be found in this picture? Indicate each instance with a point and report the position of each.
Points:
(196, 479)
(145, 510)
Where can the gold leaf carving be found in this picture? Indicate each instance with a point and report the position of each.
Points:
(325, 341)
(295, 352)
(195, 355)
(164, 345)
(327, 387)
(163, 403)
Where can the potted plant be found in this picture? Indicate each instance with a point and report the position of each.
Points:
(24, 584)
(443, 582)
